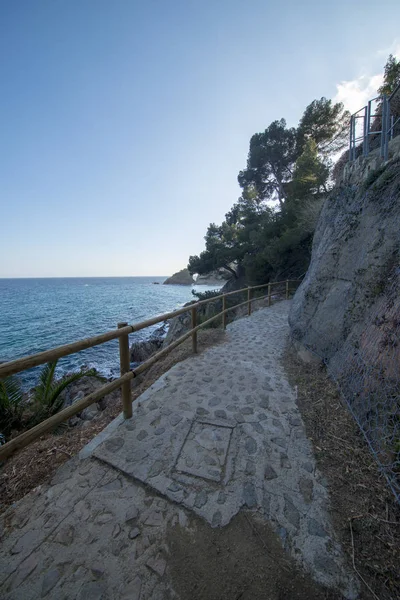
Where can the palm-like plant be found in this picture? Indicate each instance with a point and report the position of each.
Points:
(47, 399)
(11, 405)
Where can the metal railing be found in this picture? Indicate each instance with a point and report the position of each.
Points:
(126, 373)
(374, 125)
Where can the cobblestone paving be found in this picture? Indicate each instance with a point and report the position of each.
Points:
(217, 433)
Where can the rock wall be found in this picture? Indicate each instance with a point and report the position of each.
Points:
(354, 263)
(358, 170)
(347, 309)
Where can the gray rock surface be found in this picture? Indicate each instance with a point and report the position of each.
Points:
(141, 350)
(182, 277)
(350, 291)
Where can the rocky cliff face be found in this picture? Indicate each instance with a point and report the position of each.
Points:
(354, 264)
(347, 310)
(180, 278)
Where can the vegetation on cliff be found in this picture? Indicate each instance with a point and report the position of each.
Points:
(20, 410)
(268, 232)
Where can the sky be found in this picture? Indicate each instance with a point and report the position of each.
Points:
(124, 124)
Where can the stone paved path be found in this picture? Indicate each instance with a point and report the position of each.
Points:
(218, 433)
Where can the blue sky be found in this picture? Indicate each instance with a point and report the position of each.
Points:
(123, 124)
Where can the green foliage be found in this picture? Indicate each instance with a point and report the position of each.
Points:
(203, 317)
(11, 405)
(391, 76)
(391, 79)
(221, 250)
(326, 124)
(268, 232)
(206, 295)
(47, 399)
(310, 174)
(379, 177)
(270, 160)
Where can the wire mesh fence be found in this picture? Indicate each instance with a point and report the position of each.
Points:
(367, 370)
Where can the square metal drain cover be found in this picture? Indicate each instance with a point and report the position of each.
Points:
(204, 452)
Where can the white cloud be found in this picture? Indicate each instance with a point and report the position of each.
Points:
(355, 93)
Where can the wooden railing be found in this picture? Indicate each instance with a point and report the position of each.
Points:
(126, 373)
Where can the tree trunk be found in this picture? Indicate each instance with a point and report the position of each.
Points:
(281, 194)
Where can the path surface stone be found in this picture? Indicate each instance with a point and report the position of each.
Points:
(251, 445)
(157, 564)
(249, 495)
(49, 581)
(132, 590)
(201, 499)
(218, 433)
(315, 528)
(291, 513)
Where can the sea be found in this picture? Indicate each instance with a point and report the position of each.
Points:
(39, 314)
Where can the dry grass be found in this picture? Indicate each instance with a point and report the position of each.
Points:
(34, 465)
(365, 513)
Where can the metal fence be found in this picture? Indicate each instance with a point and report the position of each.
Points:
(374, 125)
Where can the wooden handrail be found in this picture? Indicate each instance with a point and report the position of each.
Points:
(34, 360)
(123, 331)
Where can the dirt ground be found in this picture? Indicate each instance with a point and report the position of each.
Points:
(365, 513)
(243, 561)
(36, 464)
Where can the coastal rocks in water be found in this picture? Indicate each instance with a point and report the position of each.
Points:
(89, 413)
(180, 278)
(80, 389)
(80, 395)
(143, 349)
(182, 323)
(178, 326)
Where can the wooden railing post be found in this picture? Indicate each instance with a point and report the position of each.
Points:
(249, 301)
(269, 294)
(125, 366)
(223, 311)
(194, 334)
(287, 289)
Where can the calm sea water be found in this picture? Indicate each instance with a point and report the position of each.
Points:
(38, 314)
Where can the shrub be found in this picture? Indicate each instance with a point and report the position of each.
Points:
(47, 400)
(11, 405)
(206, 295)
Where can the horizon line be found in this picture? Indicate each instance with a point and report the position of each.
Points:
(81, 276)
